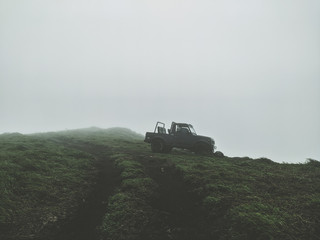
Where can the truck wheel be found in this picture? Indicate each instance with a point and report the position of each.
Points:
(202, 148)
(157, 146)
(219, 154)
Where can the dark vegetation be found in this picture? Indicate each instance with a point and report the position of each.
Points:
(106, 184)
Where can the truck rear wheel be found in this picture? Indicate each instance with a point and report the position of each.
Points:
(158, 146)
(219, 154)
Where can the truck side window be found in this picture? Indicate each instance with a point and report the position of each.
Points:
(184, 130)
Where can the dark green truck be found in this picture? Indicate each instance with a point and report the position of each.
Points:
(180, 135)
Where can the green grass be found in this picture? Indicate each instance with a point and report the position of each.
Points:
(243, 198)
(39, 181)
(129, 211)
(44, 178)
(257, 199)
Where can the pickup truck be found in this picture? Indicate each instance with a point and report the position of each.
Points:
(180, 135)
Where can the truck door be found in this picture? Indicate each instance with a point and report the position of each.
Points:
(182, 137)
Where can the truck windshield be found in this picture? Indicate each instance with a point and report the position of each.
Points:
(192, 130)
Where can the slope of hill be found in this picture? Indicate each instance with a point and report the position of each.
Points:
(106, 184)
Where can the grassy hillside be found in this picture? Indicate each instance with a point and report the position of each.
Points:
(106, 184)
(40, 180)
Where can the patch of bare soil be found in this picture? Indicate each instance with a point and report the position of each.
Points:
(83, 224)
(178, 212)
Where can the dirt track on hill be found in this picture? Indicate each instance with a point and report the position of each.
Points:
(84, 222)
(177, 211)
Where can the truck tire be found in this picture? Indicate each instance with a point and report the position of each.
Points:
(202, 148)
(158, 146)
(219, 154)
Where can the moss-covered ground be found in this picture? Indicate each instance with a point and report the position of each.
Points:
(107, 184)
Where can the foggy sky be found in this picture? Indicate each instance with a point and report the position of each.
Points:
(246, 73)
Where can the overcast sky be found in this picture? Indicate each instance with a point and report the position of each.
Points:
(246, 73)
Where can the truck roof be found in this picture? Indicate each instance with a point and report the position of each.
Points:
(183, 124)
